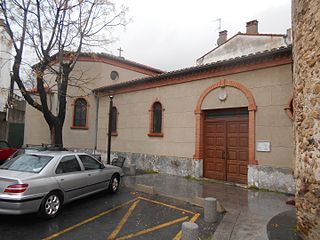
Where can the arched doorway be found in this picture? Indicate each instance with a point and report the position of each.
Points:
(234, 128)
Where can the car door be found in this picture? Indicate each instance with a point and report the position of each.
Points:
(97, 176)
(71, 178)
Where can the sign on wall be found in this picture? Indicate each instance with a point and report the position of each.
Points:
(263, 146)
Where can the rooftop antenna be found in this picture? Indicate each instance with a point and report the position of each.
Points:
(218, 20)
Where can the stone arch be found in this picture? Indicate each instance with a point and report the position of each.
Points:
(252, 107)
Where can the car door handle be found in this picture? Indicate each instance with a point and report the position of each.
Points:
(61, 179)
(89, 174)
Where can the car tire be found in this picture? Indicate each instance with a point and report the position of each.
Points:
(114, 183)
(50, 205)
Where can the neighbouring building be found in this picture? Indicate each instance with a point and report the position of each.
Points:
(306, 74)
(228, 118)
(12, 106)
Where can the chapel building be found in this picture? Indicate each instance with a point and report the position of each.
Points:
(227, 118)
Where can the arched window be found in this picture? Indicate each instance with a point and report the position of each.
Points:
(156, 120)
(114, 119)
(80, 113)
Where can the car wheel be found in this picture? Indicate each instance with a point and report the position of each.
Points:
(50, 205)
(114, 184)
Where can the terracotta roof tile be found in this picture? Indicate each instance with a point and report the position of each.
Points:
(196, 69)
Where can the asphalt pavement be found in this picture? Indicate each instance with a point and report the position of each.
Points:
(125, 215)
(248, 211)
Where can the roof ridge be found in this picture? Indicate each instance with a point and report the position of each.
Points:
(121, 59)
(199, 67)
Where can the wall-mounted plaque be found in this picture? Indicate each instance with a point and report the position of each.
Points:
(263, 146)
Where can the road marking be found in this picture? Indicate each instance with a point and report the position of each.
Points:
(167, 205)
(123, 220)
(193, 219)
(87, 220)
(135, 202)
(148, 230)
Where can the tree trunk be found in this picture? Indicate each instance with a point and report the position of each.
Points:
(306, 74)
(56, 134)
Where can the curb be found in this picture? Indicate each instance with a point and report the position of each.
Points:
(197, 201)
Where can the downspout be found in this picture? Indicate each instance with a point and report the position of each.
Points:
(96, 125)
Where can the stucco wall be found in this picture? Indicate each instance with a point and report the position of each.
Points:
(98, 73)
(36, 130)
(93, 75)
(271, 89)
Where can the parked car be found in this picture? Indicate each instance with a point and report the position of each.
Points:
(43, 181)
(5, 151)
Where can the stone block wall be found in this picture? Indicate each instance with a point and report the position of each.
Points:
(271, 178)
(306, 72)
(179, 166)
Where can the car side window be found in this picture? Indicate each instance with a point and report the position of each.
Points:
(89, 163)
(3, 144)
(68, 164)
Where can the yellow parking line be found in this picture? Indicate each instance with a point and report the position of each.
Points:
(123, 221)
(148, 230)
(193, 219)
(88, 220)
(167, 205)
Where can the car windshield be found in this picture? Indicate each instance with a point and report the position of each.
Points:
(27, 163)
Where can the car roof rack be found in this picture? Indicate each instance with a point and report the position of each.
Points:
(50, 147)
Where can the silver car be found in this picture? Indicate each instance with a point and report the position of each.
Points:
(43, 181)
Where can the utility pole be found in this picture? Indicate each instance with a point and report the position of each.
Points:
(109, 129)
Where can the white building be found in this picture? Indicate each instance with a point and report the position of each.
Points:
(5, 65)
(11, 110)
(243, 44)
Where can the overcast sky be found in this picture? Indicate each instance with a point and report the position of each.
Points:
(172, 34)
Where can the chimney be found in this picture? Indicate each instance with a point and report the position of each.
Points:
(288, 37)
(223, 36)
(252, 27)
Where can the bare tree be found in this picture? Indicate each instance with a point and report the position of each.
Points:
(56, 32)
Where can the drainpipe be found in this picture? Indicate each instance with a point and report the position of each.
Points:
(96, 126)
(109, 129)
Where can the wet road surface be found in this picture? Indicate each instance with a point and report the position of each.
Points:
(125, 215)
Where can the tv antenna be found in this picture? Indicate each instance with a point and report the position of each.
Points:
(219, 20)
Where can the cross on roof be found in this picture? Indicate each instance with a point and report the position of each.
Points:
(120, 50)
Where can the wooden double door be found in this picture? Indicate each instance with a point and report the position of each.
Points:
(226, 145)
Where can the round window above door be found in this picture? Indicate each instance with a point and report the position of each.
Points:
(114, 75)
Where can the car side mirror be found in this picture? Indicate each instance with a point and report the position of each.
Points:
(102, 166)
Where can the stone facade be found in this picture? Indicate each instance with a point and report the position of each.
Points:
(306, 55)
(179, 166)
(274, 179)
